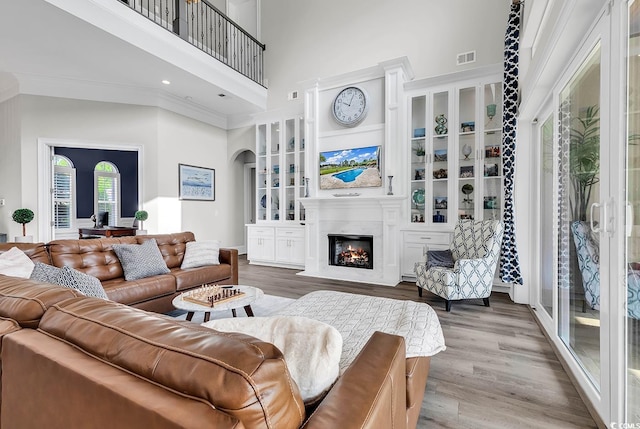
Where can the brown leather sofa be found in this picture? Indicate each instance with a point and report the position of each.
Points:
(80, 362)
(97, 258)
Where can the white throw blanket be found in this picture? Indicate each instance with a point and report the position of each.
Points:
(311, 349)
(357, 317)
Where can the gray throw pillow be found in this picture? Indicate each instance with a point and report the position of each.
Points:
(86, 284)
(201, 253)
(439, 258)
(140, 260)
(44, 273)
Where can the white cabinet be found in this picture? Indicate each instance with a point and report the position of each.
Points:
(455, 163)
(290, 245)
(415, 245)
(261, 246)
(281, 246)
(280, 184)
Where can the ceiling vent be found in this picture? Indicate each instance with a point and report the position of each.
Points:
(293, 95)
(466, 58)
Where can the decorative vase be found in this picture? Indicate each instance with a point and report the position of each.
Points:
(438, 218)
(24, 239)
(491, 112)
(466, 151)
(306, 187)
(390, 187)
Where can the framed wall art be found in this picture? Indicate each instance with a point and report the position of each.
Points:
(196, 183)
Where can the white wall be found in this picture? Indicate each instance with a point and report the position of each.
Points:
(166, 139)
(184, 141)
(10, 168)
(308, 40)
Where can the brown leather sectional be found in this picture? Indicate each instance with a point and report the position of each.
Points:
(70, 361)
(97, 258)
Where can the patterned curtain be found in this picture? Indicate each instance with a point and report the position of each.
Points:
(509, 261)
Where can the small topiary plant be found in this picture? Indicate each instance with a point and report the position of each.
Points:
(23, 216)
(141, 216)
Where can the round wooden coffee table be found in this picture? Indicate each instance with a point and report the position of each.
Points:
(251, 294)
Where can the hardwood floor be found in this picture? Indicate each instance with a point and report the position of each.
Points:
(498, 371)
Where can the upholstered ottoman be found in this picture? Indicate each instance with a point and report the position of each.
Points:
(357, 317)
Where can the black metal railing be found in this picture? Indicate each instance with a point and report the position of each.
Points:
(205, 27)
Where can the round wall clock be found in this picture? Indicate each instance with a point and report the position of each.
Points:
(350, 106)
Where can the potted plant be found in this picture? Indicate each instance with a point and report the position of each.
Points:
(584, 160)
(23, 216)
(140, 216)
(420, 152)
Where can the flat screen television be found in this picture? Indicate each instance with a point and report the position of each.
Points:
(350, 168)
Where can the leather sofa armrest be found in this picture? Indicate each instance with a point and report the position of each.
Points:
(230, 256)
(371, 394)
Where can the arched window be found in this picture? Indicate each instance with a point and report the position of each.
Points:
(107, 191)
(64, 192)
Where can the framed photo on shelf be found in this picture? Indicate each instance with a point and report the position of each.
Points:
(196, 183)
(466, 171)
(440, 202)
(491, 170)
(440, 173)
(440, 155)
(492, 152)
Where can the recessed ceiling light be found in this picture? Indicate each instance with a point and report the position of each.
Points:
(222, 95)
(166, 82)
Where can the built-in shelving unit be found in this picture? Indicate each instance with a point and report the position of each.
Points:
(455, 161)
(278, 235)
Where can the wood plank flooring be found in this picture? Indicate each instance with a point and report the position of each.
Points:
(498, 371)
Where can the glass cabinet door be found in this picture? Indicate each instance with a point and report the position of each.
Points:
(273, 201)
(300, 175)
(467, 154)
(280, 177)
(491, 153)
(262, 176)
(418, 159)
(289, 172)
(440, 160)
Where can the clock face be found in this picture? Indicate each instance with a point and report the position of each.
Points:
(350, 106)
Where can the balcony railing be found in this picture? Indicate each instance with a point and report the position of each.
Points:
(205, 27)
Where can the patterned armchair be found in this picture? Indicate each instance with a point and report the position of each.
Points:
(589, 263)
(474, 250)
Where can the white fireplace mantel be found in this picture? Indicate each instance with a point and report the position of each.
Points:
(379, 216)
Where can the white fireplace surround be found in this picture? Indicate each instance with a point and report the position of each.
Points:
(377, 216)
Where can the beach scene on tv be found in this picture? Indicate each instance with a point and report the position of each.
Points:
(350, 168)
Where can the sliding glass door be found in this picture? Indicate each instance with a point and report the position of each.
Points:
(580, 224)
(632, 220)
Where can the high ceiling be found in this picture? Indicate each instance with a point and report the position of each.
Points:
(102, 50)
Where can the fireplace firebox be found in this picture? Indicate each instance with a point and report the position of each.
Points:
(354, 251)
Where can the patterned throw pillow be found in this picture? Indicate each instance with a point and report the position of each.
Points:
(140, 260)
(201, 253)
(45, 273)
(86, 284)
(14, 262)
